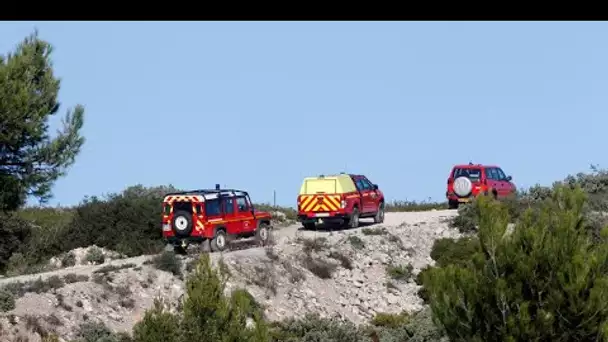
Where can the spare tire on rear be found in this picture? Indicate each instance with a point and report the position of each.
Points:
(462, 186)
(182, 223)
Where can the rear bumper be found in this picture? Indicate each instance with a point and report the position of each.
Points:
(454, 198)
(322, 217)
(174, 240)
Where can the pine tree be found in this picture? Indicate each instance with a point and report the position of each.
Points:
(30, 159)
(544, 281)
(208, 314)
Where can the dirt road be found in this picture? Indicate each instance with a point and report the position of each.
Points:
(280, 235)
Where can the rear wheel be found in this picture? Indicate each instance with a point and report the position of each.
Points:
(354, 218)
(219, 242)
(309, 225)
(379, 218)
(262, 234)
(452, 204)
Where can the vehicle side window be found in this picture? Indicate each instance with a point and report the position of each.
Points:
(367, 185)
(359, 184)
(242, 204)
(491, 173)
(212, 207)
(501, 174)
(228, 205)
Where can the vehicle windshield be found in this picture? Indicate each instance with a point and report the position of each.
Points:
(473, 174)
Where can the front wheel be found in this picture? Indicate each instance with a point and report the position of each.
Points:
(379, 218)
(219, 242)
(262, 234)
(354, 218)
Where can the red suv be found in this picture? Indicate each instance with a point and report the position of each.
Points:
(217, 215)
(468, 181)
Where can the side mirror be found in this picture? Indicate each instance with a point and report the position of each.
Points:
(375, 186)
(509, 178)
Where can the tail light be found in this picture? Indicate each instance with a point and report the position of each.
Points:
(343, 204)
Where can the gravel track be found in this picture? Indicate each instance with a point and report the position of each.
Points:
(281, 235)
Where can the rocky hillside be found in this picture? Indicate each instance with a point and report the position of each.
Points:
(350, 274)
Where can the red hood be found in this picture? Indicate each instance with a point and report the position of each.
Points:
(261, 212)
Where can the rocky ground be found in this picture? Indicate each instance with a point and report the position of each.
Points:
(351, 274)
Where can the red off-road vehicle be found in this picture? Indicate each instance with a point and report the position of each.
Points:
(343, 198)
(218, 215)
(467, 181)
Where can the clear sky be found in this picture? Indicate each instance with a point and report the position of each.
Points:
(260, 105)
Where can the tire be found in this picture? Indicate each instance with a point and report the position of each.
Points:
(182, 223)
(309, 226)
(462, 186)
(452, 204)
(379, 218)
(180, 250)
(219, 243)
(353, 222)
(262, 234)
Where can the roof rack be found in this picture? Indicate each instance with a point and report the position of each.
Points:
(208, 191)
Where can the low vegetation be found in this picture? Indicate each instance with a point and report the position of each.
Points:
(400, 272)
(169, 262)
(509, 286)
(404, 206)
(207, 314)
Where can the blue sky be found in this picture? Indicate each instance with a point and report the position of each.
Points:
(260, 105)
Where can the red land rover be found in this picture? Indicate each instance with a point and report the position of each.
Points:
(469, 180)
(218, 215)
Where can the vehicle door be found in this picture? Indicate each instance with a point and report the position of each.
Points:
(365, 190)
(374, 195)
(507, 186)
(244, 214)
(233, 226)
(492, 181)
(213, 212)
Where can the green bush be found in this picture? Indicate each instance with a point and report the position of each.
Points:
(400, 272)
(15, 234)
(95, 255)
(169, 262)
(98, 332)
(319, 267)
(68, 260)
(128, 222)
(403, 206)
(356, 242)
(446, 251)
(417, 327)
(313, 328)
(157, 325)
(383, 319)
(7, 301)
(207, 313)
(547, 280)
(290, 214)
